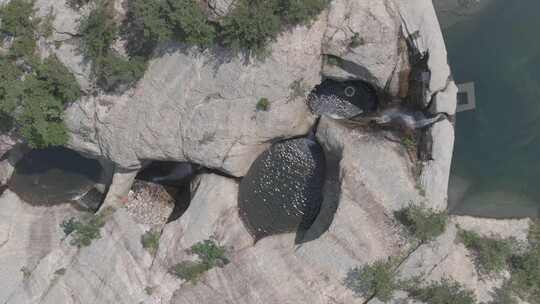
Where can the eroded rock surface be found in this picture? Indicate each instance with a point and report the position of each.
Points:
(201, 107)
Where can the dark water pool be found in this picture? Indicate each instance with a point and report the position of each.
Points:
(496, 170)
(54, 176)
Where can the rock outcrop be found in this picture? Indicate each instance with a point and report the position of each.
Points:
(200, 107)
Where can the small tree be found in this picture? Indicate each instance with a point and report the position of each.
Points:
(263, 104)
(210, 255)
(375, 280)
(491, 254)
(445, 291)
(423, 223)
(150, 241)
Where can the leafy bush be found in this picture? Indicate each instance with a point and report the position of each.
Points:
(263, 104)
(150, 22)
(300, 11)
(35, 105)
(84, 231)
(115, 73)
(445, 291)
(150, 241)
(374, 280)
(33, 93)
(491, 254)
(17, 23)
(423, 223)
(189, 271)
(210, 255)
(189, 23)
(503, 295)
(251, 25)
(525, 280)
(98, 31)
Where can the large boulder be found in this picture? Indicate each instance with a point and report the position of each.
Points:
(201, 107)
(366, 38)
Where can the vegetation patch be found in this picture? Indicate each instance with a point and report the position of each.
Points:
(249, 26)
(210, 255)
(99, 31)
(491, 254)
(150, 241)
(83, 231)
(525, 269)
(375, 280)
(445, 291)
(33, 92)
(423, 223)
(263, 104)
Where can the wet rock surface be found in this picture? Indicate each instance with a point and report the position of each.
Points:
(282, 191)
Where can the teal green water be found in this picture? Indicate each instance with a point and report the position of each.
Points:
(496, 169)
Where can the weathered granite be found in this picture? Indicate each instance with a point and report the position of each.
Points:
(365, 36)
(27, 234)
(210, 119)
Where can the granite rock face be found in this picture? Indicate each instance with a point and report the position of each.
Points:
(201, 107)
(27, 235)
(366, 38)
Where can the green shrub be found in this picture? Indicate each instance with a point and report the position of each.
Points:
(98, 31)
(146, 25)
(503, 295)
(210, 255)
(189, 23)
(150, 241)
(525, 280)
(85, 230)
(153, 21)
(300, 11)
(33, 93)
(491, 254)
(423, 223)
(189, 271)
(263, 104)
(61, 82)
(19, 22)
(534, 233)
(445, 291)
(374, 280)
(115, 73)
(251, 25)
(35, 106)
